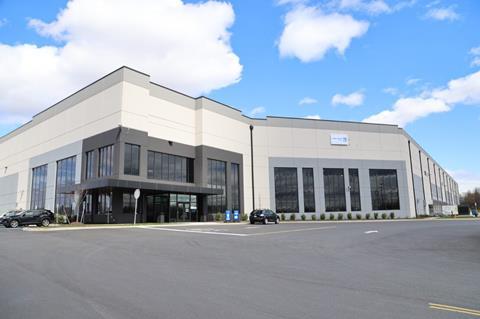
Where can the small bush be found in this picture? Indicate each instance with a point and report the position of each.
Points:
(218, 217)
(392, 215)
(375, 215)
(332, 217)
(292, 216)
(282, 216)
(314, 217)
(303, 217)
(322, 216)
(384, 215)
(349, 216)
(340, 216)
(244, 217)
(367, 216)
(359, 216)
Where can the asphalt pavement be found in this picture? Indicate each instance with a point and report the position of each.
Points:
(424, 269)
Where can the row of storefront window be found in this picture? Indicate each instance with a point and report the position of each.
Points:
(383, 184)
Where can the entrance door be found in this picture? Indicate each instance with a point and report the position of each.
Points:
(184, 212)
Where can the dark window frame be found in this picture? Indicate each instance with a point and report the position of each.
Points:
(169, 167)
(308, 189)
(355, 196)
(131, 163)
(286, 189)
(384, 189)
(334, 190)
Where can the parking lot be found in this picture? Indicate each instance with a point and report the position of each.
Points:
(410, 269)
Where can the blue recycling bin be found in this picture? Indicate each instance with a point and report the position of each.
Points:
(228, 216)
(236, 216)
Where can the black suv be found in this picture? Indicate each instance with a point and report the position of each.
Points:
(264, 216)
(39, 217)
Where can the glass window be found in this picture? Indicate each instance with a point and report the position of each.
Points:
(132, 159)
(170, 167)
(286, 189)
(104, 203)
(235, 186)
(65, 177)
(39, 187)
(217, 178)
(354, 182)
(90, 165)
(128, 203)
(334, 182)
(308, 190)
(384, 189)
(105, 165)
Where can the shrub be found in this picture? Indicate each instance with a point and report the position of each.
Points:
(367, 216)
(384, 215)
(282, 216)
(314, 217)
(332, 217)
(340, 216)
(359, 216)
(244, 217)
(322, 216)
(349, 216)
(392, 215)
(375, 215)
(303, 217)
(292, 216)
(218, 217)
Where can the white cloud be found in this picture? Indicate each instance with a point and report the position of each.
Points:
(476, 56)
(183, 46)
(309, 33)
(412, 81)
(406, 110)
(442, 14)
(307, 100)
(465, 90)
(373, 7)
(3, 22)
(466, 180)
(313, 117)
(391, 90)
(257, 111)
(352, 99)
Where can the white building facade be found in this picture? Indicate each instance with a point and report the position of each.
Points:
(192, 158)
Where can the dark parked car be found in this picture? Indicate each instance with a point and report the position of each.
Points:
(39, 217)
(264, 216)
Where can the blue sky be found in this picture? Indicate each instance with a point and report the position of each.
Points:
(271, 55)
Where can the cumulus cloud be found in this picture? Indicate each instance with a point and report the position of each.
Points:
(257, 111)
(309, 33)
(307, 100)
(352, 99)
(313, 117)
(475, 52)
(391, 90)
(412, 81)
(465, 90)
(442, 14)
(183, 46)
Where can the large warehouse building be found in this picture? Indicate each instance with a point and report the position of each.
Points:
(193, 157)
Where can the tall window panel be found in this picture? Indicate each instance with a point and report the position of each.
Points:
(90, 165)
(286, 189)
(105, 165)
(334, 182)
(384, 189)
(39, 187)
(217, 178)
(104, 203)
(308, 190)
(235, 186)
(131, 159)
(169, 167)
(354, 182)
(65, 177)
(128, 203)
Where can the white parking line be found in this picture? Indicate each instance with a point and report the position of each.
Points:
(195, 231)
(371, 231)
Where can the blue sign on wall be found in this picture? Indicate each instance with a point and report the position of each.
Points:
(236, 216)
(228, 216)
